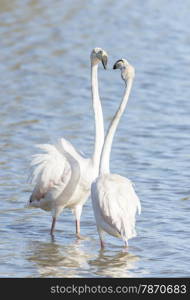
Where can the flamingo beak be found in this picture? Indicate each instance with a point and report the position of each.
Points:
(104, 61)
(117, 65)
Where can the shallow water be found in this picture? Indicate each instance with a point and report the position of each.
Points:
(45, 94)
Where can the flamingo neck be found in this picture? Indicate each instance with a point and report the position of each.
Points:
(98, 116)
(70, 188)
(106, 151)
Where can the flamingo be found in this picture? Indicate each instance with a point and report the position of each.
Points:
(114, 200)
(62, 176)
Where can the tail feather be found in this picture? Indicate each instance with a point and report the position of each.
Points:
(47, 169)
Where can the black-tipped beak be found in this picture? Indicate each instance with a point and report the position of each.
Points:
(116, 65)
(104, 61)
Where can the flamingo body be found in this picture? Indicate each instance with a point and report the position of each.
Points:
(115, 205)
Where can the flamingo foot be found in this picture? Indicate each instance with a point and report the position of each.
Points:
(81, 237)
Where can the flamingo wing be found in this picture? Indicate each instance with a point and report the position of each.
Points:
(118, 203)
(51, 167)
(48, 169)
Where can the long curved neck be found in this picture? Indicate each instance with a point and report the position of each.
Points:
(74, 178)
(105, 157)
(98, 115)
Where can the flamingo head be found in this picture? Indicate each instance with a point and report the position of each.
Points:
(127, 70)
(99, 55)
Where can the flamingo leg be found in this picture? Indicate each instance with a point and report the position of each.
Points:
(78, 228)
(53, 225)
(102, 245)
(126, 245)
(77, 212)
(79, 236)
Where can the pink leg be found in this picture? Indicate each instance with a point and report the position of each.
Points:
(53, 225)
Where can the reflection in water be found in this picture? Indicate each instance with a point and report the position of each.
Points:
(54, 260)
(118, 265)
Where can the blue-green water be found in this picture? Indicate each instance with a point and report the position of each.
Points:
(45, 94)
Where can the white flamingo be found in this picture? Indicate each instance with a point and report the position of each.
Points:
(114, 200)
(61, 175)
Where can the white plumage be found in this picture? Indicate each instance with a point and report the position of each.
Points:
(48, 169)
(58, 176)
(115, 206)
